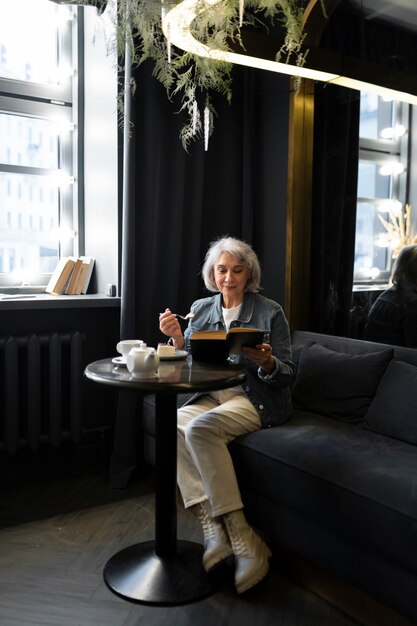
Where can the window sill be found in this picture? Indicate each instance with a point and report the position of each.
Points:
(371, 287)
(46, 301)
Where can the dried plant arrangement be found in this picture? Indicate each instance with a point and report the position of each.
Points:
(399, 229)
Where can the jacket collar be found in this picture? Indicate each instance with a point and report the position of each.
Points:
(246, 312)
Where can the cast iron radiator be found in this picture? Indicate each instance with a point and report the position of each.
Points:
(40, 390)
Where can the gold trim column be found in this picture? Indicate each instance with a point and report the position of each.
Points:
(299, 192)
(300, 178)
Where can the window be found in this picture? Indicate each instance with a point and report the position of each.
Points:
(38, 209)
(382, 184)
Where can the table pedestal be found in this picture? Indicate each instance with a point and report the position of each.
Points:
(138, 574)
(164, 571)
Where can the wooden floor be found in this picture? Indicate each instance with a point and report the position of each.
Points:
(56, 536)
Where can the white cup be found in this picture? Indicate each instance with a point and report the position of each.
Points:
(125, 346)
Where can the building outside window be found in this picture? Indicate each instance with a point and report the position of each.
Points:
(382, 186)
(38, 148)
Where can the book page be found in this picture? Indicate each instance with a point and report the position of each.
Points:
(209, 334)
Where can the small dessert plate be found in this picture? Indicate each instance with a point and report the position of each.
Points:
(119, 360)
(179, 354)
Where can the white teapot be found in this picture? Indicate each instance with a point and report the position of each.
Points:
(142, 362)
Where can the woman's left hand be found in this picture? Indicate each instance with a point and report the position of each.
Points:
(262, 356)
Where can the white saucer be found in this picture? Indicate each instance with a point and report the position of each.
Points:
(143, 376)
(179, 354)
(119, 360)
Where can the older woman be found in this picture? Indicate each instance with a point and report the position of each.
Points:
(206, 425)
(393, 316)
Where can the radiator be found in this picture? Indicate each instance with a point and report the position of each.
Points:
(40, 390)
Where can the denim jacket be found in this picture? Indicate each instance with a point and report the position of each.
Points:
(269, 393)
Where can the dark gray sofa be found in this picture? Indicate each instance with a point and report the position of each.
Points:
(337, 483)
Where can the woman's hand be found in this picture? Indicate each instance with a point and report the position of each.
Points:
(170, 326)
(262, 356)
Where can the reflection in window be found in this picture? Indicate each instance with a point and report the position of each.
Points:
(381, 184)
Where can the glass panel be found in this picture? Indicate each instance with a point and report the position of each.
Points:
(376, 115)
(371, 257)
(380, 186)
(29, 220)
(28, 141)
(371, 184)
(28, 41)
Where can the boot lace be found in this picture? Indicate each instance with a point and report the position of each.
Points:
(239, 545)
(208, 524)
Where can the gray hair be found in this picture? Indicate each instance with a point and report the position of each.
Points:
(405, 267)
(237, 248)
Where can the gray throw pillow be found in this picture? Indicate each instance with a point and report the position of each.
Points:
(336, 384)
(393, 411)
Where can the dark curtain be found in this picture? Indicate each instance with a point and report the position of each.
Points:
(335, 174)
(183, 201)
(176, 202)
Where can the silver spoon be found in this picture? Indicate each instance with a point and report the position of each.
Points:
(189, 316)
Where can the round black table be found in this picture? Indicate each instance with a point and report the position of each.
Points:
(165, 571)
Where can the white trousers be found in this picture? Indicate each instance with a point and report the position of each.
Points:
(205, 467)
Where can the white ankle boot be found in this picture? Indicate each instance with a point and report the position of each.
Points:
(217, 546)
(251, 553)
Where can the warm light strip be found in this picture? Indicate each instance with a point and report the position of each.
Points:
(176, 25)
(379, 90)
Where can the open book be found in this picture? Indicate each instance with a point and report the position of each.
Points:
(217, 345)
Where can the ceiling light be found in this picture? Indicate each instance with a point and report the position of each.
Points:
(384, 206)
(379, 90)
(176, 25)
(59, 178)
(65, 234)
(393, 132)
(389, 169)
(374, 273)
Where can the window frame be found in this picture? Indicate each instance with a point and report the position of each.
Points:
(30, 99)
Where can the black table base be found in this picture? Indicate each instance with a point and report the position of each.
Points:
(139, 575)
(164, 572)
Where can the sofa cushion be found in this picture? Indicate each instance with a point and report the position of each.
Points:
(354, 484)
(336, 384)
(393, 410)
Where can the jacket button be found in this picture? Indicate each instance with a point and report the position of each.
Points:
(261, 406)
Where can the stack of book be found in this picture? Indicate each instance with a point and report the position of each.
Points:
(71, 276)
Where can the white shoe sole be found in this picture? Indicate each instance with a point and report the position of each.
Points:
(256, 577)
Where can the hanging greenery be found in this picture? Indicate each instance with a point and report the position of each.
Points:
(193, 78)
